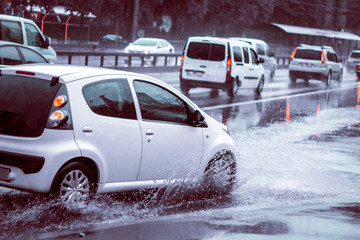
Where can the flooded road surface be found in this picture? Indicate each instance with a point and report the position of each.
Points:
(298, 178)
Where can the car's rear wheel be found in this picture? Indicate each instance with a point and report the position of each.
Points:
(340, 78)
(233, 87)
(184, 87)
(220, 173)
(74, 183)
(328, 80)
(260, 86)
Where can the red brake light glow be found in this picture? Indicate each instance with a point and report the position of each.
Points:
(60, 101)
(293, 54)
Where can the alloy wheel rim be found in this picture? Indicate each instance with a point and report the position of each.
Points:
(74, 187)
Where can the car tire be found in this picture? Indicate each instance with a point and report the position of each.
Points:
(184, 87)
(272, 74)
(328, 80)
(74, 183)
(340, 78)
(233, 88)
(293, 79)
(220, 173)
(260, 86)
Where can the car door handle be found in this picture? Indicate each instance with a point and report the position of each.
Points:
(149, 132)
(202, 66)
(239, 64)
(87, 129)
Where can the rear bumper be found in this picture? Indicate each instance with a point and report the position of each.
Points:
(307, 75)
(205, 84)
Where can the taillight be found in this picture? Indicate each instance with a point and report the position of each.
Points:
(181, 64)
(322, 56)
(348, 60)
(25, 73)
(60, 101)
(293, 54)
(358, 67)
(58, 118)
(60, 114)
(228, 69)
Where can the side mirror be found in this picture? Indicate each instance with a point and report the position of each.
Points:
(198, 118)
(271, 54)
(261, 60)
(47, 42)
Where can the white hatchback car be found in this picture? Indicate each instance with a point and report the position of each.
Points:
(149, 46)
(74, 131)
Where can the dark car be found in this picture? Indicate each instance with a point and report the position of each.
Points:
(15, 54)
(112, 38)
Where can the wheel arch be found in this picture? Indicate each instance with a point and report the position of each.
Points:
(93, 167)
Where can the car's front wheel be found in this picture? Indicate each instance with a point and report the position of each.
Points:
(74, 183)
(220, 173)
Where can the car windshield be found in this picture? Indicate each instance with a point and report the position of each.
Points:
(25, 104)
(355, 55)
(206, 51)
(145, 42)
(308, 54)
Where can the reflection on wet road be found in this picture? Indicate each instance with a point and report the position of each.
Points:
(298, 178)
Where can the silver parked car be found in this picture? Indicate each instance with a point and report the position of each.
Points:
(75, 131)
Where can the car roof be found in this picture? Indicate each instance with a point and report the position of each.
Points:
(314, 47)
(14, 18)
(65, 73)
(157, 39)
(217, 40)
(248, 40)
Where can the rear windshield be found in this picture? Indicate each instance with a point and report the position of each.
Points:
(206, 51)
(25, 103)
(355, 55)
(308, 54)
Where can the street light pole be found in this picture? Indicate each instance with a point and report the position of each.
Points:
(135, 19)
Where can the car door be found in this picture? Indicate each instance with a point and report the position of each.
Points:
(106, 128)
(248, 74)
(172, 148)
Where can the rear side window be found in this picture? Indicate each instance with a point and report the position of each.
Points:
(237, 54)
(206, 51)
(110, 98)
(246, 55)
(33, 36)
(11, 31)
(10, 56)
(25, 103)
(308, 54)
(332, 57)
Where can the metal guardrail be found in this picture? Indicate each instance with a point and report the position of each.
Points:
(282, 61)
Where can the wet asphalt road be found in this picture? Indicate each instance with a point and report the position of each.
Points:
(298, 176)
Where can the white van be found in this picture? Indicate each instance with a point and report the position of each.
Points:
(263, 50)
(26, 32)
(220, 63)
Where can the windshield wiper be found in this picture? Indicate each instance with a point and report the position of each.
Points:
(4, 111)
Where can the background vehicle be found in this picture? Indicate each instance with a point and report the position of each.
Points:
(74, 131)
(150, 46)
(315, 62)
(353, 60)
(220, 63)
(263, 51)
(26, 32)
(112, 38)
(15, 54)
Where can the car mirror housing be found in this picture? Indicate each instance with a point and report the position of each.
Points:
(271, 54)
(261, 60)
(198, 118)
(47, 42)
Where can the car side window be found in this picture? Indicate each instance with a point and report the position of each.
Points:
(110, 98)
(33, 36)
(158, 104)
(237, 54)
(246, 55)
(254, 56)
(161, 44)
(31, 56)
(11, 31)
(10, 56)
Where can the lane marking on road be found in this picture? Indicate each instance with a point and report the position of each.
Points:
(278, 98)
